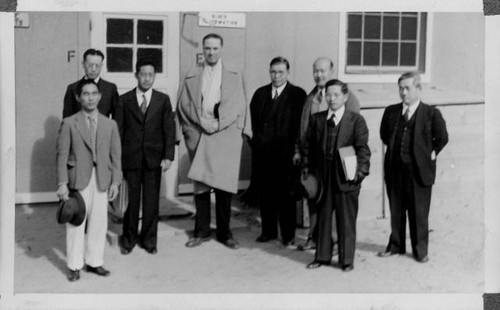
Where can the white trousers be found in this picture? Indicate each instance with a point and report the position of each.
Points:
(89, 247)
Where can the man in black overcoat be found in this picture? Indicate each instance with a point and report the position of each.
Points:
(275, 111)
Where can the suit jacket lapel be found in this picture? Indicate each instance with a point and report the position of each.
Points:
(345, 129)
(228, 85)
(82, 127)
(154, 105)
(101, 129)
(419, 118)
(193, 84)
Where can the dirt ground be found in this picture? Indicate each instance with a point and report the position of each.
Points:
(455, 251)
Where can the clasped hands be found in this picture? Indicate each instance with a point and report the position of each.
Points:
(209, 125)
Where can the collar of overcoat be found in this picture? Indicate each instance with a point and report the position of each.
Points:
(228, 84)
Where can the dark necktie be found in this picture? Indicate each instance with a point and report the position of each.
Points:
(275, 96)
(144, 104)
(320, 96)
(330, 120)
(407, 114)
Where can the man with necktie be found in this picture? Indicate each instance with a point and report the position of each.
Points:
(328, 132)
(323, 70)
(109, 105)
(88, 161)
(414, 134)
(276, 109)
(148, 150)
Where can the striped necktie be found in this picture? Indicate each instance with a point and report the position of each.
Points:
(144, 104)
(92, 134)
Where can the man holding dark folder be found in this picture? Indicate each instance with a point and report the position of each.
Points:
(333, 138)
(414, 133)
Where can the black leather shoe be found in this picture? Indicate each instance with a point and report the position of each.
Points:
(309, 245)
(231, 243)
(386, 254)
(194, 242)
(100, 271)
(424, 259)
(73, 275)
(347, 267)
(152, 250)
(263, 238)
(316, 264)
(288, 243)
(123, 249)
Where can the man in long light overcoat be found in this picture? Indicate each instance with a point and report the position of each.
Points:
(214, 116)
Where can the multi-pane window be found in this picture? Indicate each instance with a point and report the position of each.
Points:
(129, 39)
(385, 42)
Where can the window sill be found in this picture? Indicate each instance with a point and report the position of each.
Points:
(375, 96)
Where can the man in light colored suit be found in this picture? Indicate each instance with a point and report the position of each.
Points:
(88, 161)
(323, 70)
(214, 116)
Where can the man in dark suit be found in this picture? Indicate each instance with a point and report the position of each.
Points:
(88, 161)
(414, 134)
(328, 132)
(148, 149)
(109, 105)
(275, 111)
(316, 102)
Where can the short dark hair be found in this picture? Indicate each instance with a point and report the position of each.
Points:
(82, 83)
(213, 36)
(280, 60)
(412, 75)
(144, 62)
(343, 86)
(92, 52)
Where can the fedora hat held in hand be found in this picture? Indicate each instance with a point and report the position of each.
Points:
(72, 210)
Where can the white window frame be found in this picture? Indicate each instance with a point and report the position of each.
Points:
(388, 77)
(166, 81)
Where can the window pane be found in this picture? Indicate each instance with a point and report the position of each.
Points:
(371, 54)
(154, 54)
(150, 32)
(354, 26)
(119, 59)
(120, 31)
(391, 27)
(353, 53)
(372, 27)
(390, 54)
(409, 28)
(408, 54)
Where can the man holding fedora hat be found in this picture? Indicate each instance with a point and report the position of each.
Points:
(88, 175)
(330, 133)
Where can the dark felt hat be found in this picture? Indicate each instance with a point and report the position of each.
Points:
(312, 186)
(72, 210)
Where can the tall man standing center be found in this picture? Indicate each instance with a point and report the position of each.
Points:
(323, 70)
(414, 134)
(214, 116)
(148, 149)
